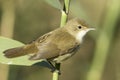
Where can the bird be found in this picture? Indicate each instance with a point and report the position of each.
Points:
(55, 46)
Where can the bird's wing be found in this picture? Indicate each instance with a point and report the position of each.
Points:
(66, 43)
(52, 45)
(46, 51)
(46, 48)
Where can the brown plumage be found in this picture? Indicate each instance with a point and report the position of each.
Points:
(57, 45)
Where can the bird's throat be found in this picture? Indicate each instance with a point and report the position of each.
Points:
(80, 35)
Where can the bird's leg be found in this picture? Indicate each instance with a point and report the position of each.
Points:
(55, 67)
(52, 66)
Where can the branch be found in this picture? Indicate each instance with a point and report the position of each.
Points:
(64, 17)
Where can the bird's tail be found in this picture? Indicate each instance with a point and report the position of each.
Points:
(14, 52)
(20, 51)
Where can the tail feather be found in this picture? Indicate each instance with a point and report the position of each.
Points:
(21, 51)
(14, 52)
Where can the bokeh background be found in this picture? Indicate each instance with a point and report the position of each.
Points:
(25, 20)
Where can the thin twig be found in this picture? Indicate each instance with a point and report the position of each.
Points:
(64, 17)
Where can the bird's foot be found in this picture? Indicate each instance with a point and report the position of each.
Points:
(55, 71)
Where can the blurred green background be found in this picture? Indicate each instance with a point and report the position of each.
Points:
(25, 20)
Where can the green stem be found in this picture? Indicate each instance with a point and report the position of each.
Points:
(64, 17)
(104, 41)
(55, 75)
(56, 72)
(65, 12)
(7, 29)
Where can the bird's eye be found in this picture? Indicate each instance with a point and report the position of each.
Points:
(79, 27)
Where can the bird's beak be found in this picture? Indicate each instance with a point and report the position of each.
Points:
(91, 29)
(88, 29)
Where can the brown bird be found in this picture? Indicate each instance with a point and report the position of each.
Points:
(57, 45)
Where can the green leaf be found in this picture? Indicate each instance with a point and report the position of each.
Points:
(6, 43)
(54, 3)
